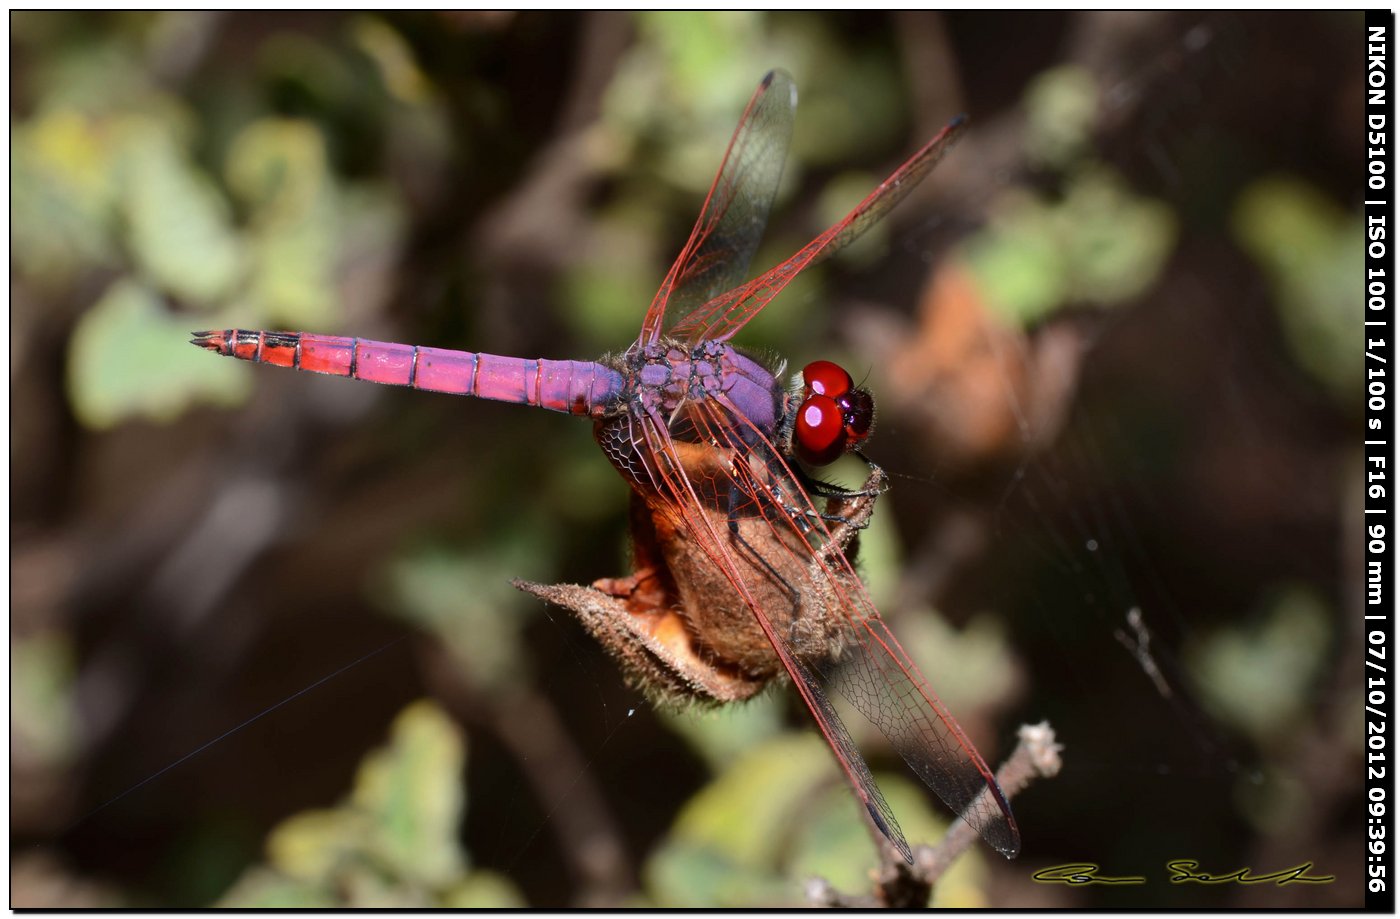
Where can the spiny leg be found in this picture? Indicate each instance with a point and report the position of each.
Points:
(876, 484)
(857, 508)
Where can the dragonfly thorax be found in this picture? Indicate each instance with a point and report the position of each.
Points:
(712, 378)
(692, 413)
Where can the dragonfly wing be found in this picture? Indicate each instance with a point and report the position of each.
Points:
(883, 684)
(728, 312)
(731, 223)
(871, 671)
(685, 506)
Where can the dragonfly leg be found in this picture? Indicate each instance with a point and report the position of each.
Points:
(873, 487)
(843, 506)
(852, 511)
(733, 516)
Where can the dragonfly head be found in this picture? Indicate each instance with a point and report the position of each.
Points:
(834, 417)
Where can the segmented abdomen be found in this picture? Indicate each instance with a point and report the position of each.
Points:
(572, 387)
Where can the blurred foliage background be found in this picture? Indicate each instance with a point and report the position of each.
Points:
(1113, 339)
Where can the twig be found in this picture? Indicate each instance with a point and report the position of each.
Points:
(899, 885)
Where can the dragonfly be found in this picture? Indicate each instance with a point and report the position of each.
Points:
(743, 556)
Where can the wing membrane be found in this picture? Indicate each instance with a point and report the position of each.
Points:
(882, 683)
(728, 312)
(731, 222)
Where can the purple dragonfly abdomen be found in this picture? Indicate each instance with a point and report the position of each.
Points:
(571, 387)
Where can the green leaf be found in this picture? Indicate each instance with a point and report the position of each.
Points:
(881, 557)
(725, 847)
(853, 104)
(684, 874)
(180, 228)
(835, 845)
(1017, 261)
(42, 726)
(277, 168)
(1307, 246)
(721, 735)
(393, 844)
(467, 599)
(779, 814)
(128, 358)
(263, 888)
(1116, 242)
(393, 57)
(312, 846)
(63, 196)
(607, 292)
(1261, 677)
(676, 85)
(483, 890)
(1061, 109)
(968, 667)
(746, 810)
(697, 44)
(1100, 244)
(413, 792)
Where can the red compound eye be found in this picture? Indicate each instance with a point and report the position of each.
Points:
(820, 435)
(857, 414)
(834, 416)
(825, 379)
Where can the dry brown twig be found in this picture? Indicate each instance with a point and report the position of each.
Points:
(899, 885)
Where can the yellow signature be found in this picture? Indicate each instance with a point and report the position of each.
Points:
(1077, 874)
(1181, 871)
(1184, 871)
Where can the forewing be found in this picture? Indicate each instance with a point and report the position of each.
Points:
(731, 223)
(872, 672)
(729, 311)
